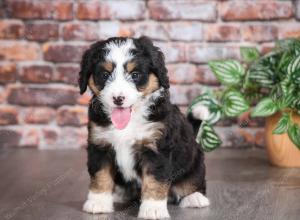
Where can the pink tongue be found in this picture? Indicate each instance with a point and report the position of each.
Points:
(120, 117)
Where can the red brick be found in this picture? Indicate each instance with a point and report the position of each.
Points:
(260, 33)
(182, 73)
(205, 76)
(84, 99)
(2, 9)
(66, 74)
(3, 94)
(9, 138)
(58, 52)
(255, 10)
(41, 96)
(30, 137)
(184, 94)
(222, 33)
(122, 10)
(297, 9)
(50, 137)
(259, 137)
(174, 52)
(192, 31)
(154, 30)
(113, 28)
(36, 74)
(203, 53)
(245, 120)
(63, 10)
(267, 47)
(11, 29)
(38, 115)
(231, 137)
(19, 51)
(30, 9)
(8, 115)
(72, 116)
(80, 31)
(41, 31)
(241, 137)
(8, 72)
(182, 10)
(227, 122)
(88, 10)
(290, 30)
(65, 138)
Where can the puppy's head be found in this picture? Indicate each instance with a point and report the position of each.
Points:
(120, 72)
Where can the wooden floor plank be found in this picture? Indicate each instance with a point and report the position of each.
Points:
(53, 185)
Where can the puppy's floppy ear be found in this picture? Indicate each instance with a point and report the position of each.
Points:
(85, 70)
(89, 59)
(157, 60)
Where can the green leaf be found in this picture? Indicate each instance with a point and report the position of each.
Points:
(208, 138)
(262, 75)
(296, 76)
(285, 85)
(205, 99)
(211, 103)
(296, 103)
(294, 65)
(249, 54)
(228, 72)
(265, 107)
(234, 104)
(283, 124)
(215, 116)
(294, 134)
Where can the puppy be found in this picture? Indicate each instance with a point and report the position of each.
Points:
(138, 141)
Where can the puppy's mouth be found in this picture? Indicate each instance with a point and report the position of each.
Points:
(120, 117)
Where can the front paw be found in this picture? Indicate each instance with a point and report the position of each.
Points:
(154, 209)
(98, 203)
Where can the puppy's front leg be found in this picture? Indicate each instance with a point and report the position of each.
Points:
(154, 198)
(100, 198)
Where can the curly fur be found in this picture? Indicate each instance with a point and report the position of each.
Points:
(169, 154)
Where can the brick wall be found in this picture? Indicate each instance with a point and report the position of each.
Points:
(41, 43)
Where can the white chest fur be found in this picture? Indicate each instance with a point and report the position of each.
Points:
(123, 141)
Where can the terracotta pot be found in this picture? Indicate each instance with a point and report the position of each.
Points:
(281, 151)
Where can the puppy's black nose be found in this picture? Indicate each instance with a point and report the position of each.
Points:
(118, 100)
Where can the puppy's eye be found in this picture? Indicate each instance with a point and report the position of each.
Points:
(105, 75)
(135, 76)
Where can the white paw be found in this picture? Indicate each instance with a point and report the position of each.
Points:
(194, 200)
(99, 203)
(154, 209)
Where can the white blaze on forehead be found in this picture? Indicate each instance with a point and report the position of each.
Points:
(119, 51)
(120, 83)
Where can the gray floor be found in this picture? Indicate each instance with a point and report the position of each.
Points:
(53, 185)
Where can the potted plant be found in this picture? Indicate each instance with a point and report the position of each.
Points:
(266, 86)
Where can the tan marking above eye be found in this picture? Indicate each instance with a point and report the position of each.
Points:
(130, 67)
(108, 66)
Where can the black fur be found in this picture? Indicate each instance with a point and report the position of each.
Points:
(156, 58)
(177, 156)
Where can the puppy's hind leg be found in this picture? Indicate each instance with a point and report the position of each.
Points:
(194, 200)
(191, 192)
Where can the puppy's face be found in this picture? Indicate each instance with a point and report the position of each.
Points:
(122, 71)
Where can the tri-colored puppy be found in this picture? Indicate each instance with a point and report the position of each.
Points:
(138, 141)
